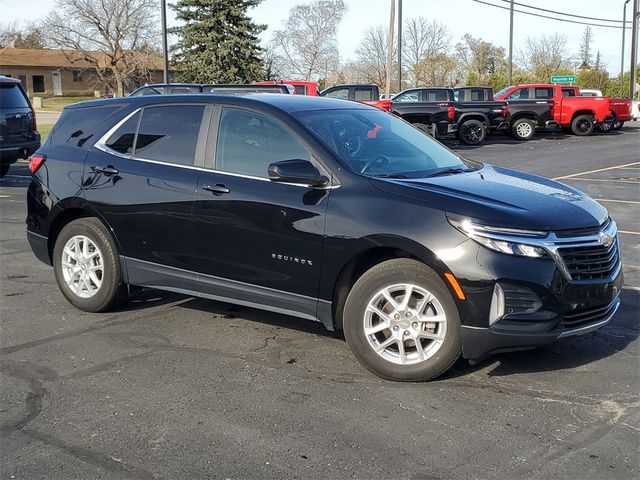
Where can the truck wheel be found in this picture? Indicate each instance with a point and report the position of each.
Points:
(605, 127)
(618, 124)
(4, 168)
(401, 322)
(87, 266)
(523, 129)
(472, 132)
(583, 125)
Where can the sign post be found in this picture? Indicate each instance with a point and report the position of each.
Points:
(563, 78)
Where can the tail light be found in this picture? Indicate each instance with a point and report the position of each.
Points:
(33, 119)
(505, 110)
(451, 112)
(36, 161)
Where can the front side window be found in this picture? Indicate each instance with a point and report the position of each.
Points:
(372, 142)
(341, 93)
(520, 94)
(249, 142)
(408, 97)
(169, 133)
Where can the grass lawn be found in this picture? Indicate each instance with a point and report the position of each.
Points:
(44, 131)
(55, 104)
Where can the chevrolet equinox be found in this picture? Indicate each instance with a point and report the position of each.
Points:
(326, 210)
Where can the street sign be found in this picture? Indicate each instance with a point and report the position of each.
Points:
(563, 78)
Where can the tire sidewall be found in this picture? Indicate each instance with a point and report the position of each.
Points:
(112, 284)
(390, 273)
(574, 125)
(514, 131)
(466, 125)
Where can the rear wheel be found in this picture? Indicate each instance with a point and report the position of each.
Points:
(472, 132)
(605, 127)
(401, 322)
(617, 125)
(583, 125)
(523, 129)
(87, 266)
(4, 169)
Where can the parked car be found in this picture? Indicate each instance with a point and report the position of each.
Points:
(435, 110)
(19, 136)
(189, 88)
(524, 116)
(620, 108)
(580, 115)
(326, 210)
(358, 92)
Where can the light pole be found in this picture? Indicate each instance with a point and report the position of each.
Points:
(634, 50)
(511, 43)
(399, 45)
(165, 50)
(624, 28)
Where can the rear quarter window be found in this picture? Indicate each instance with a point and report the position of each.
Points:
(11, 96)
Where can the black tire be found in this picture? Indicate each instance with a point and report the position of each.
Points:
(605, 127)
(523, 129)
(617, 125)
(4, 169)
(583, 125)
(112, 290)
(472, 132)
(393, 272)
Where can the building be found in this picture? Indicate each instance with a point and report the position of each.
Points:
(47, 72)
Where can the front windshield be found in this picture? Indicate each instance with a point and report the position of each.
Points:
(376, 143)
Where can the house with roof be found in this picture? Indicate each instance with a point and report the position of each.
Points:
(49, 72)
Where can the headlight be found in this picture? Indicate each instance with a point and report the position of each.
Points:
(504, 240)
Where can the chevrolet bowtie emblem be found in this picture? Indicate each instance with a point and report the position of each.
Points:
(604, 239)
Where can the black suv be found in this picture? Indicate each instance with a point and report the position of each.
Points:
(324, 209)
(18, 135)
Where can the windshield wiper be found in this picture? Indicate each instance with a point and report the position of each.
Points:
(448, 171)
(390, 175)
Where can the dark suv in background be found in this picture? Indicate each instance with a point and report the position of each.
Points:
(18, 135)
(324, 209)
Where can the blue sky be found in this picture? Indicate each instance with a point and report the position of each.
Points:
(460, 16)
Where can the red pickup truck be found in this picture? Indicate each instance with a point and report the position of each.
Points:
(620, 108)
(581, 114)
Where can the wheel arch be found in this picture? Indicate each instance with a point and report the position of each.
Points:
(582, 112)
(386, 248)
(473, 116)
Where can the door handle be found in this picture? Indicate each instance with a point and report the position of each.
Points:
(217, 189)
(108, 170)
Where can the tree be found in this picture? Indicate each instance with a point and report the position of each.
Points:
(596, 77)
(308, 40)
(422, 42)
(585, 48)
(113, 36)
(217, 42)
(436, 70)
(16, 36)
(484, 63)
(543, 56)
(371, 57)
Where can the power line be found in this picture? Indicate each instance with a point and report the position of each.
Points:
(552, 18)
(565, 14)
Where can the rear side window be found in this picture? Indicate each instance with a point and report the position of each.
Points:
(123, 138)
(544, 93)
(477, 95)
(437, 96)
(11, 96)
(363, 94)
(300, 89)
(169, 133)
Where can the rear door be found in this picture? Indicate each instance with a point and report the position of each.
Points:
(141, 178)
(258, 241)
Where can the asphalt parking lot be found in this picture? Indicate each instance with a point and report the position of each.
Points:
(175, 387)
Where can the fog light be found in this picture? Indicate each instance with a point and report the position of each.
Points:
(496, 312)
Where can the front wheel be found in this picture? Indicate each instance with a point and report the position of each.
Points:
(583, 125)
(523, 129)
(401, 322)
(472, 132)
(87, 266)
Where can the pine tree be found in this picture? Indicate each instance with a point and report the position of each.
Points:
(218, 42)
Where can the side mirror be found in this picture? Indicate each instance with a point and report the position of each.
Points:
(301, 172)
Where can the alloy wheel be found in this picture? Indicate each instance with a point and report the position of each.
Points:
(523, 129)
(82, 266)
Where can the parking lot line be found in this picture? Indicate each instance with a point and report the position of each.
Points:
(603, 180)
(597, 170)
(615, 201)
(628, 232)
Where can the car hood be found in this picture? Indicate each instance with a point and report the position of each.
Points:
(504, 198)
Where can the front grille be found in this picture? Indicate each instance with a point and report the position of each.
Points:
(594, 262)
(589, 315)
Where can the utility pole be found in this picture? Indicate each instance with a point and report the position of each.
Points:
(165, 49)
(390, 47)
(399, 45)
(624, 29)
(634, 50)
(511, 44)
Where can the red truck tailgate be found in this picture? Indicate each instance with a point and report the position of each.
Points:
(621, 107)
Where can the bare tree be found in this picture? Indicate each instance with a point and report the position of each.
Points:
(115, 37)
(371, 57)
(483, 62)
(422, 41)
(543, 56)
(308, 43)
(14, 35)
